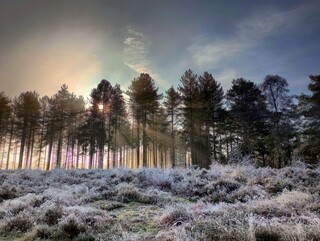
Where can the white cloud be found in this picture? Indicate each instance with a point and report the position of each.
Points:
(135, 54)
(214, 52)
(135, 51)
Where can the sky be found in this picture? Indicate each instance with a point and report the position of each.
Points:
(47, 43)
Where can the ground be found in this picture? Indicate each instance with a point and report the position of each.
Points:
(233, 202)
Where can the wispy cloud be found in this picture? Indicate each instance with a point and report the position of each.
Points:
(215, 52)
(135, 54)
(250, 33)
(136, 46)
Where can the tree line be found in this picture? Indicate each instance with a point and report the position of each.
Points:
(193, 124)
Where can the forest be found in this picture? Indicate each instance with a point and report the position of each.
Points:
(195, 124)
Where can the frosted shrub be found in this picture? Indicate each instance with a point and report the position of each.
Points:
(231, 202)
(295, 199)
(174, 216)
(7, 192)
(126, 176)
(44, 232)
(285, 229)
(18, 224)
(53, 215)
(247, 193)
(71, 227)
(128, 193)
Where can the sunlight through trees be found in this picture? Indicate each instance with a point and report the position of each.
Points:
(193, 124)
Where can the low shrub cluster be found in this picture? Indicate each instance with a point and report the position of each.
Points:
(230, 202)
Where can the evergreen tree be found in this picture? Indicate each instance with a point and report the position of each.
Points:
(118, 115)
(248, 110)
(172, 103)
(44, 109)
(5, 113)
(27, 109)
(144, 100)
(101, 98)
(62, 113)
(311, 111)
(6, 124)
(211, 97)
(190, 110)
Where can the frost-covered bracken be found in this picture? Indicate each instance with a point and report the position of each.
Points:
(233, 202)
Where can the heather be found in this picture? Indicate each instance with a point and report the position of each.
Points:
(226, 202)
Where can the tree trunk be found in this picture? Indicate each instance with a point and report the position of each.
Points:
(49, 154)
(138, 144)
(32, 146)
(59, 150)
(144, 142)
(22, 143)
(9, 147)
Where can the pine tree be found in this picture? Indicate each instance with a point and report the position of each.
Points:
(101, 98)
(311, 110)
(172, 103)
(62, 112)
(211, 97)
(27, 109)
(249, 112)
(118, 110)
(190, 109)
(6, 124)
(144, 100)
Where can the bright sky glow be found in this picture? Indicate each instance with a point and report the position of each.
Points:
(44, 44)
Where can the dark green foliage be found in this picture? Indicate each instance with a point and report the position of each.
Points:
(144, 103)
(310, 108)
(194, 125)
(189, 91)
(101, 98)
(211, 97)
(65, 109)
(171, 103)
(27, 108)
(248, 110)
(5, 113)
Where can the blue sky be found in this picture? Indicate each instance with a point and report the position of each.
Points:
(46, 43)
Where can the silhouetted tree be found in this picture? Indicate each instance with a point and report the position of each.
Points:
(248, 110)
(5, 112)
(117, 121)
(27, 109)
(211, 97)
(172, 103)
(6, 124)
(144, 99)
(275, 89)
(44, 109)
(63, 112)
(101, 98)
(311, 110)
(190, 110)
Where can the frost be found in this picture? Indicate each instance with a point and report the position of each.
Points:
(232, 202)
